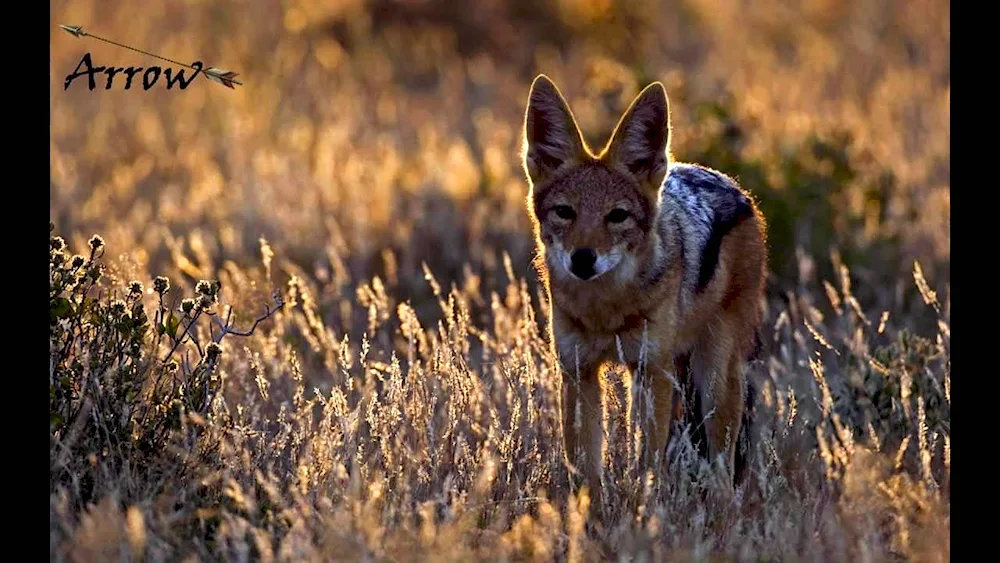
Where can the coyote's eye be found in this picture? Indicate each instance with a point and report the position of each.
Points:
(617, 216)
(564, 212)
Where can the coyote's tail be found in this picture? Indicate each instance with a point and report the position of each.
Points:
(745, 444)
(745, 440)
(691, 415)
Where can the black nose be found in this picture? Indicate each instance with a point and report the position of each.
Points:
(582, 263)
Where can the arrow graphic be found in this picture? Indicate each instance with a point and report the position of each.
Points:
(218, 75)
(224, 77)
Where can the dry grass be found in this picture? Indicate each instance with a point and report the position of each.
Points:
(401, 404)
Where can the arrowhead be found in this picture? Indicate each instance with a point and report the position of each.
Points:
(74, 30)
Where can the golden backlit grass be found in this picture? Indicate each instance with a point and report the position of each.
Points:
(401, 405)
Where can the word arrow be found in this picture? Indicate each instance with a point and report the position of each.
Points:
(218, 75)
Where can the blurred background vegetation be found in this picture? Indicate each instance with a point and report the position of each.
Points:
(389, 130)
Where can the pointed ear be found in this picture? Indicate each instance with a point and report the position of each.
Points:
(551, 136)
(642, 137)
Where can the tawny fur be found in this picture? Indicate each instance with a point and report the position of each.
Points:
(649, 301)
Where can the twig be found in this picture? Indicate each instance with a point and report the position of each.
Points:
(228, 327)
(193, 338)
(224, 327)
(181, 339)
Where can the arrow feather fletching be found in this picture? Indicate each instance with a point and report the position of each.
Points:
(225, 77)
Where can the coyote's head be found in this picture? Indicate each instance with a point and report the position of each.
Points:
(594, 213)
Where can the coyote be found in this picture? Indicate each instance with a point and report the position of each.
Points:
(656, 263)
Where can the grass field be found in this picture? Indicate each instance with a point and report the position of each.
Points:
(362, 194)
